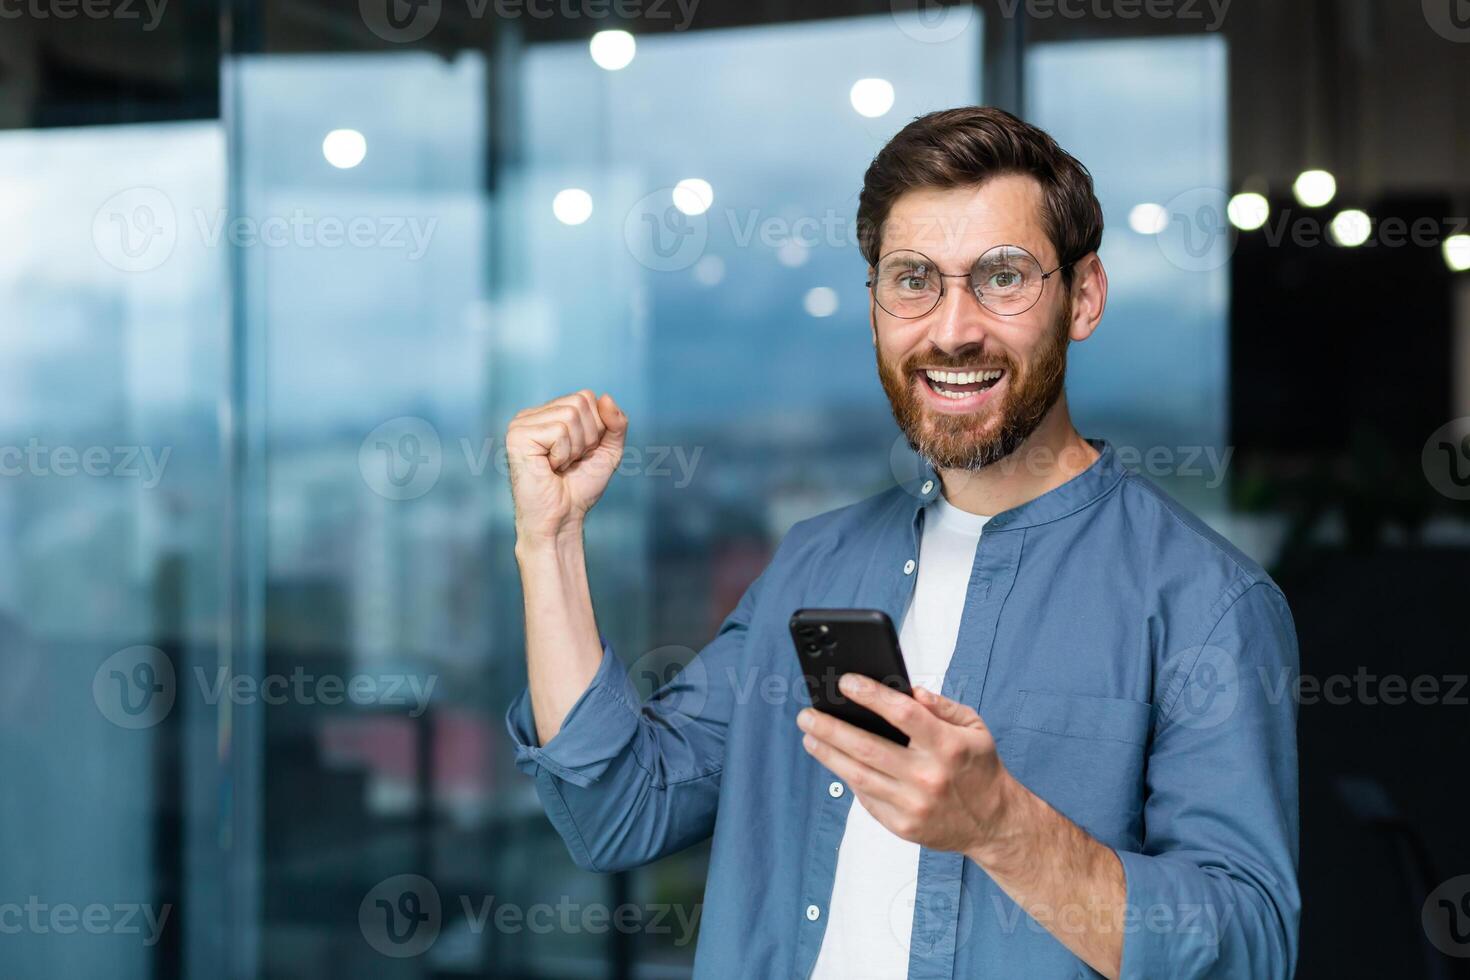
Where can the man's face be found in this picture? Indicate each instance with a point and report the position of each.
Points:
(977, 422)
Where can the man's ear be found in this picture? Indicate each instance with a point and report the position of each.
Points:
(1089, 296)
(872, 312)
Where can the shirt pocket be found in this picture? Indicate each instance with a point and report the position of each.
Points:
(1085, 756)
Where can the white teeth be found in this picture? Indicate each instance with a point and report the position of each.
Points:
(962, 377)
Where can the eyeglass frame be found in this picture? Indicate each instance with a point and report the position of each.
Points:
(962, 275)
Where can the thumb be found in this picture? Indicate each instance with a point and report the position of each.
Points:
(616, 422)
(947, 710)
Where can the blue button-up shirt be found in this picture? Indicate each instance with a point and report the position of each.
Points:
(1135, 669)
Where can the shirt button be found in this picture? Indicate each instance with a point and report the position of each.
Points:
(928, 485)
(835, 790)
(908, 567)
(813, 913)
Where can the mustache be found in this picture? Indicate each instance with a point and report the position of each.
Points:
(916, 364)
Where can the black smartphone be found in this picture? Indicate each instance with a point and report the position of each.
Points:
(833, 642)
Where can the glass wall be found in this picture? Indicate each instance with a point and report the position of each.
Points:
(1149, 116)
(113, 355)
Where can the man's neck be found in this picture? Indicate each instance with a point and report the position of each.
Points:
(1049, 457)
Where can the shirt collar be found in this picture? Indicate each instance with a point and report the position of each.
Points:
(1081, 490)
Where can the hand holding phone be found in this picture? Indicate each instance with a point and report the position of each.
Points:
(833, 642)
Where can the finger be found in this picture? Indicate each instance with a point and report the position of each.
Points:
(572, 411)
(892, 816)
(585, 402)
(615, 422)
(571, 415)
(577, 411)
(863, 779)
(947, 709)
(871, 750)
(894, 707)
(551, 439)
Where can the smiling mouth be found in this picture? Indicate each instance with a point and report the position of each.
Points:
(958, 385)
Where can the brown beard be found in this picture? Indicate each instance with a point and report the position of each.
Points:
(953, 441)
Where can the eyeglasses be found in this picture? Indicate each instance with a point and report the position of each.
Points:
(1007, 280)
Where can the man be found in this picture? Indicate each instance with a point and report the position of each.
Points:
(1097, 781)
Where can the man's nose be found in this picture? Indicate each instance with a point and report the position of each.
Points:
(959, 320)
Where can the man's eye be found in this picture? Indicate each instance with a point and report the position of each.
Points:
(916, 280)
(1003, 279)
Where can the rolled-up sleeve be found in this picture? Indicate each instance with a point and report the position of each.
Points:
(1213, 891)
(598, 727)
(625, 782)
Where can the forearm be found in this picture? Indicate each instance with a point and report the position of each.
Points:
(1065, 879)
(563, 647)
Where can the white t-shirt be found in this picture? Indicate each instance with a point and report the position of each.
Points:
(871, 917)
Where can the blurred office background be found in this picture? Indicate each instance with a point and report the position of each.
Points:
(275, 275)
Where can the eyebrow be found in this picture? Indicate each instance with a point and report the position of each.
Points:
(1011, 249)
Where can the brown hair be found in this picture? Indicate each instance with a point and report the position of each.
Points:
(968, 145)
